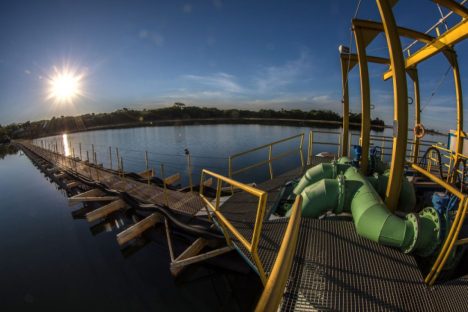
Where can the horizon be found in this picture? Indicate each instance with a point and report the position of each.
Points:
(224, 54)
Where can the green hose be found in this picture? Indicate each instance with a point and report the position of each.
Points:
(418, 233)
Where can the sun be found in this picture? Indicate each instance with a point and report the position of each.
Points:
(65, 85)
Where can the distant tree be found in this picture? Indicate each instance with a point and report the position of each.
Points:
(179, 105)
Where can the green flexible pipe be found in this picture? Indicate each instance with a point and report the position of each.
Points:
(321, 171)
(353, 192)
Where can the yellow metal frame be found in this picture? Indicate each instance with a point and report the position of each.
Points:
(274, 289)
(228, 227)
(270, 158)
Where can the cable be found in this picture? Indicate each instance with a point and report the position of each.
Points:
(434, 91)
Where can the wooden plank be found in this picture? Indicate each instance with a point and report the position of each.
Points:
(191, 251)
(72, 184)
(146, 174)
(178, 264)
(105, 210)
(172, 179)
(93, 192)
(92, 199)
(138, 228)
(60, 175)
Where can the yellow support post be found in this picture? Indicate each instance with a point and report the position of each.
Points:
(344, 78)
(365, 97)
(413, 73)
(400, 98)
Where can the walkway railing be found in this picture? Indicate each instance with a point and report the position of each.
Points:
(227, 226)
(274, 289)
(269, 157)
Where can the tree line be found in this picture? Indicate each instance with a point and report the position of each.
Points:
(177, 112)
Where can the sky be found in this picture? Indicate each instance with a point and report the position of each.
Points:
(229, 54)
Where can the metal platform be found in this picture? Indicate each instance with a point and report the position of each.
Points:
(337, 270)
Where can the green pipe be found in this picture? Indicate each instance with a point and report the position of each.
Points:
(407, 200)
(321, 171)
(419, 233)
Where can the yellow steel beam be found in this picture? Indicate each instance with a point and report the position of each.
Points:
(365, 97)
(373, 59)
(374, 28)
(345, 67)
(453, 6)
(446, 40)
(413, 73)
(400, 110)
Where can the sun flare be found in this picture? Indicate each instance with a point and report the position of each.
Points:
(65, 85)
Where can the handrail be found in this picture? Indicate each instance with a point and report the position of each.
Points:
(452, 237)
(274, 289)
(270, 158)
(252, 245)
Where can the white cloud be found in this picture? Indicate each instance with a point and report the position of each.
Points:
(274, 77)
(152, 36)
(219, 81)
(27, 72)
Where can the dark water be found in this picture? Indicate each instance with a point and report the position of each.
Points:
(51, 262)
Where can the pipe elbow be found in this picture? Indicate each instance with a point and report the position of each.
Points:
(320, 197)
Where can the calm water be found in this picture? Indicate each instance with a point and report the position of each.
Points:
(209, 145)
(52, 262)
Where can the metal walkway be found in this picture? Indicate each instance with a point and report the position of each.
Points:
(334, 269)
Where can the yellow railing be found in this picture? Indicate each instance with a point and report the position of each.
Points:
(382, 140)
(452, 239)
(228, 227)
(274, 288)
(271, 157)
(312, 141)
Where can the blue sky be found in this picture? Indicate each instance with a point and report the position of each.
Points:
(245, 54)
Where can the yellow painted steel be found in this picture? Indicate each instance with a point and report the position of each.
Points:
(456, 7)
(459, 99)
(365, 96)
(345, 66)
(400, 98)
(228, 227)
(445, 41)
(274, 289)
(270, 157)
(402, 31)
(413, 73)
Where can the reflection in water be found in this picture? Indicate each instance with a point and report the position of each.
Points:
(8, 149)
(66, 144)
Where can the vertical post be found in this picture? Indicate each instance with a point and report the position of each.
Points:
(339, 146)
(382, 148)
(400, 98)
(79, 145)
(146, 160)
(87, 157)
(365, 97)
(92, 152)
(96, 166)
(301, 148)
(270, 156)
(345, 66)
(122, 168)
(189, 169)
(110, 157)
(117, 157)
(452, 58)
(164, 185)
(309, 148)
(413, 73)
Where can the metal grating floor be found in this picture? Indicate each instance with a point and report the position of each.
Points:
(337, 270)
